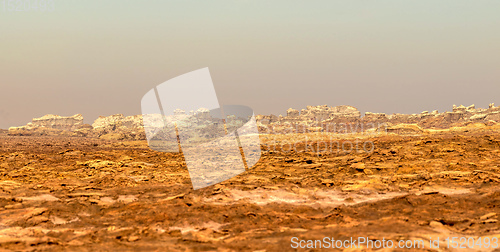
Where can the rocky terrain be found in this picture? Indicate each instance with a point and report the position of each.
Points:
(52, 125)
(99, 193)
(65, 185)
(312, 119)
(111, 127)
(323, 118)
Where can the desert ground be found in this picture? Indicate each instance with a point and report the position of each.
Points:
(90, 194)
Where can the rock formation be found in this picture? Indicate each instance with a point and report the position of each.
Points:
(312, 119)
(59, 122)
(324, 118)
(49, 125)
(119, 127)
(111, 127)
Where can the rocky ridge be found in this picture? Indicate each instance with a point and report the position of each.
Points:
(329, 119)
(52, 125)
(312, 119)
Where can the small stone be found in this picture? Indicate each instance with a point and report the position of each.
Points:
(358, 166)
(127, 198)
(14, 206)
(133, 238)
(36, 220)
(328, 182)
(58, 221)
(487, 216)
(436, 224)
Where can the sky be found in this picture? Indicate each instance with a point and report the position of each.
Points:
(99, 57)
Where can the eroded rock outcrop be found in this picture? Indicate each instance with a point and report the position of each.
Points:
(339, 119)
(59, 122)
(324, 118)
(52, 125)
(119, 127)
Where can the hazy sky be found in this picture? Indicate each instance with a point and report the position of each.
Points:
(98, 57)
